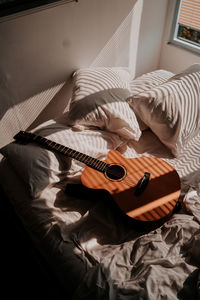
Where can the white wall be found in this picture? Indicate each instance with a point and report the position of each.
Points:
(150, 36)
(39, 51)
(173, 58)
(42, 48)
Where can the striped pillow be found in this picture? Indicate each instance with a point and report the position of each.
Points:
(88, 81)
(172, 110)
(105, 110)
(148, 81)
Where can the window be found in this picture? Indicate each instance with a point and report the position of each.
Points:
(10, 7)
(186, 25)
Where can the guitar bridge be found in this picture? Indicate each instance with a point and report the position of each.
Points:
(142, 184)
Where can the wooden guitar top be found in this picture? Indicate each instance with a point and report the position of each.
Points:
(155, 202)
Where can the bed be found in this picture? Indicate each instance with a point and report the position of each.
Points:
(91, 248)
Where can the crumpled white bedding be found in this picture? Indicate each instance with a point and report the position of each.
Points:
(97, 254)
(161, 264)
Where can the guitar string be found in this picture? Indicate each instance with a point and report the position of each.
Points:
(98, 164)
(89, 160)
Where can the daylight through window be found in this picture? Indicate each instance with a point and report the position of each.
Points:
(186, 27)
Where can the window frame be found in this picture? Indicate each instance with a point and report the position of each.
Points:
(174, 31)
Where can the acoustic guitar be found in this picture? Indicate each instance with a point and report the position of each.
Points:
(144, 188)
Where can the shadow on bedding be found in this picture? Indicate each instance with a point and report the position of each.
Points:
(190, 288)
(101, 218)
(101, 222)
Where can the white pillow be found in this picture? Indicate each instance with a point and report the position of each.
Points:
(172, 110)
(148, 81)
(107, 110)
(92, 80)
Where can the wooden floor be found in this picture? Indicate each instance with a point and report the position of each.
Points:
(23, 272)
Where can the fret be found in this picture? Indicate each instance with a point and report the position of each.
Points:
(51, 145)
(95, 161)
(59, 148)
(98, 163)
(68, 151)
(87, 159)
(62, 149)
(102, 165)
(42, 139)
(79, 155)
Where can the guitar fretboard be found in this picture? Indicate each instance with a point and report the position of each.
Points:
(51, 145)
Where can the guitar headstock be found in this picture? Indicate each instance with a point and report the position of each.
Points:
(24, 136)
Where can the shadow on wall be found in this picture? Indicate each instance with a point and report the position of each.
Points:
(59, 103)
(49, 45)
(121, 48)
(33, 111)
(30, 80)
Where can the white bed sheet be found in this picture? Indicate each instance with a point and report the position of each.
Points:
(100, 257)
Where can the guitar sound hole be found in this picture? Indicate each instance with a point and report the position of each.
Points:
(115, 172)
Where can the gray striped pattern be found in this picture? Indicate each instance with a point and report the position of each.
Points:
(172, 110)
(188, 164)
(107, 110)
(88, 81)
(148, 81)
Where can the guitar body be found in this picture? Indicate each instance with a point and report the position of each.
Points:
(158, 199)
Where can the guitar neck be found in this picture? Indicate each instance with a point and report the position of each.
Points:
(50, 145)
